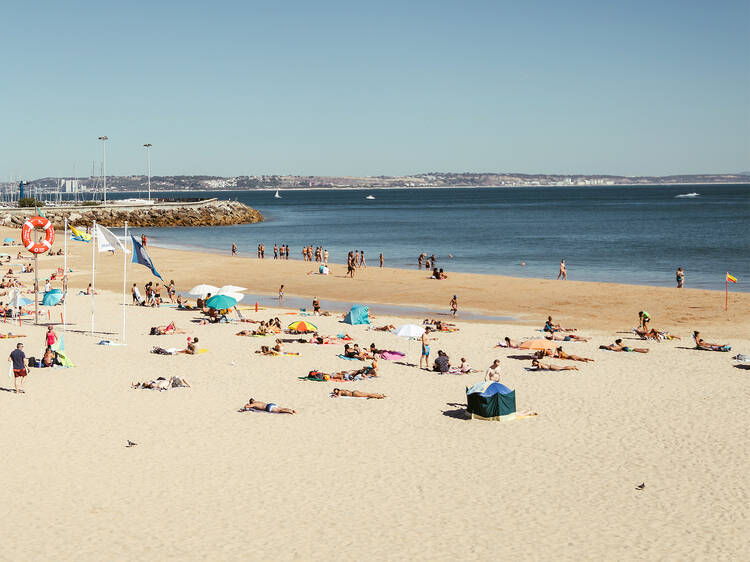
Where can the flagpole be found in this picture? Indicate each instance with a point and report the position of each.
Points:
(726, 294)
(124, 279)
(93, 263)
(65, 282)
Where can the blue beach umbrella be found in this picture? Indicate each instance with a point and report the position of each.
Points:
(9, 240)
(220, 302)
(51, 298)
(23, 301)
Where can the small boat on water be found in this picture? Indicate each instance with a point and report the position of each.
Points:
(132, 201)
(682, 195)
(370, 197)
(276, 195)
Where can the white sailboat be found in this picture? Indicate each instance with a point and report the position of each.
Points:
(370, 197)
(276, 195)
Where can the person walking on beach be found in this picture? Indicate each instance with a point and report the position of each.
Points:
(50, 337)
(18, 358)
(234, 249)
(381, 259)
(362, 262)
(454, 305)
(281, 293)
(425, 349)
(680, 275)
(275, 251)
(325, 256)
(563, 272)
(144, 240)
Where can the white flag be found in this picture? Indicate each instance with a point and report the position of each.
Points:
(107, 240)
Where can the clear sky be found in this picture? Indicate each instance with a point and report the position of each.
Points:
(375, 88)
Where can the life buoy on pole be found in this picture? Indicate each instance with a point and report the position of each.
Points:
(27, 235)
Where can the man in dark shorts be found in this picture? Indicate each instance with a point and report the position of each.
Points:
(18, 358)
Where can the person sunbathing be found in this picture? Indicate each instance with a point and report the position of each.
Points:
(337, 392)
(700, 343)
(560, 354)
(368, 372)
(617, 346)
(549, 326)
(10, 335)
(254, 404)
(49, 358)
(183, 304)
(513, 344)
(386, 328)
(565, 337)
(190, 349)
(277, 349)
(353, 352)
(654, 334)
(164, 330)
(538, 366)
(159, 384)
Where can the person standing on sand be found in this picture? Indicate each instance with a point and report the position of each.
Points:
(144, 240)
(325, 256)
(50, 337)
(454, 305)
(425, 350)
(234, 249)
(680, 275)
(18, 358)
(281, 293)
(362, 262)
(563, 272)
(381, 259)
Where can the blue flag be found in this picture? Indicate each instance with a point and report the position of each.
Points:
(140, 256)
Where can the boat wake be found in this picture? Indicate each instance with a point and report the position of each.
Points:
(683, 195)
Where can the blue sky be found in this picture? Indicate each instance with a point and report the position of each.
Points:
(371, 88)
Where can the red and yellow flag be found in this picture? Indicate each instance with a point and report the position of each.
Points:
(731, 278)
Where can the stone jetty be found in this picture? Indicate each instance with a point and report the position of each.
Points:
(210, 212)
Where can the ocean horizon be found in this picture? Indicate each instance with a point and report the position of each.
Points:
(618, 234)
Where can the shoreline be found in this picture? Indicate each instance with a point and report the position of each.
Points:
(588, 305)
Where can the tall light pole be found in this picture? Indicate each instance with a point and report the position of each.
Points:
(148, 167)
(104, 165)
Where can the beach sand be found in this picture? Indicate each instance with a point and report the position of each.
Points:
(407, 477)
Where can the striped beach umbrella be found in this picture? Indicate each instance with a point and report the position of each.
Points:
(302, 326)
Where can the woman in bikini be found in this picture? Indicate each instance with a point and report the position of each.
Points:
(700, 343)
(337, 392)
(537, 366)
(617, 346)
(559, 353)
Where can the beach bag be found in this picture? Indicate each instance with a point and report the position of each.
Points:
(31, 361)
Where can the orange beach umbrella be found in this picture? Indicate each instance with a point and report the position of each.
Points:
(538, 344)
(302, 326)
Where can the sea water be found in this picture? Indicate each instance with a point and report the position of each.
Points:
(623, 234)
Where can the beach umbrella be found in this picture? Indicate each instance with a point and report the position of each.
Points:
(9, 240)
(220, 302)
(236, 296)
(21, 301)
(538, 344)
(409, 331)
(490, 401)
(202, 290)
(302, 326)
(51, 298)
(227, 289)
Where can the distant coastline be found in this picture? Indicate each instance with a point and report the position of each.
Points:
(136, 183)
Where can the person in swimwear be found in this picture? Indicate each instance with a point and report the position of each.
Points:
(643, 319)
(700, 343)
(617, 346)
(386, 328)
(337, 392)
(190, 349)
(654, 334)
(565, 337)
(254, 404)
(513, 344)
(559, 353)
(563, 271)
(550, 326)
(537, 366)
(425, 350)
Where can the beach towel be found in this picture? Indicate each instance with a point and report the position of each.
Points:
(342, 356)
(243, 410)
(742, 358)
(391, 355)
(714, 348)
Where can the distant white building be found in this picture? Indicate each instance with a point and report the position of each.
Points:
(71, 186)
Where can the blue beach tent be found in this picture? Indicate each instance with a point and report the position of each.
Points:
(490, 401)
(359, 314)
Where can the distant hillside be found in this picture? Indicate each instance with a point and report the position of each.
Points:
(431, 179)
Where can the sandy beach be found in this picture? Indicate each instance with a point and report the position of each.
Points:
(406, 477)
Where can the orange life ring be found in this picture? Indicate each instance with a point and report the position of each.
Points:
(28, 229)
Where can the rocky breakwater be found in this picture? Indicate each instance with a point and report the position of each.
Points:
(205, 213)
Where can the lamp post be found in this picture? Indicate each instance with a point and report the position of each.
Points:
(148, 167)
(104, 165)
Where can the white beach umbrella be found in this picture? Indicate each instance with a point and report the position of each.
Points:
(409, 331)
(203, 290)
(226, 289)
(236, 296)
